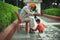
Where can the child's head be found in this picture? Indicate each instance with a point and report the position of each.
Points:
(38, 20)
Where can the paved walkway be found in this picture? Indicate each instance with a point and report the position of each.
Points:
(51, 32)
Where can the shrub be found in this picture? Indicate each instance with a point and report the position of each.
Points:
(7, 14)
(52, 11)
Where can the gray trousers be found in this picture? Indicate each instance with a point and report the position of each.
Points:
(30, 20)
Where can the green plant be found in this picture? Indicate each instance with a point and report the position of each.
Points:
(7, 14)
(52, 11)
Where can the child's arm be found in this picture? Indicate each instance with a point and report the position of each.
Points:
(36, 28)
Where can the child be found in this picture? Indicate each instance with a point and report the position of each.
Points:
(40, 27)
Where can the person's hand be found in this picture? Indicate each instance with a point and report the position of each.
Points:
(35, 14)
(35, 10)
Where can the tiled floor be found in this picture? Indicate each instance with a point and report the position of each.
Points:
(50, 33)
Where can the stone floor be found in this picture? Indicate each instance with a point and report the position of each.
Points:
(51, 32)
(49, 20)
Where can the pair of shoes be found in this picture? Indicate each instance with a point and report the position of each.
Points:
(31, 31)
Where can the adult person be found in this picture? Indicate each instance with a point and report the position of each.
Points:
(26, 12)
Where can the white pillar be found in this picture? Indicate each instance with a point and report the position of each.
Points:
(38, 7)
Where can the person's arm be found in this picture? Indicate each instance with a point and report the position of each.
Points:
(36, 28)
(30, 12)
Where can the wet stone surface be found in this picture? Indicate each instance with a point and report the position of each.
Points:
(58, 26)
(51, 33)
(49, 20)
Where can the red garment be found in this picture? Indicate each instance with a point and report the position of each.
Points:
(40, 27)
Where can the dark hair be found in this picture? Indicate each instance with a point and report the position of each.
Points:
(34, 8)
(38, 20)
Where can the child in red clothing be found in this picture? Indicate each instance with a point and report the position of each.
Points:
(40, 26)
